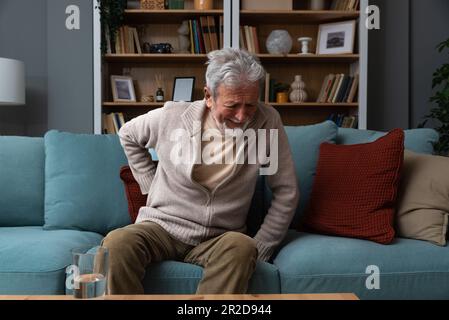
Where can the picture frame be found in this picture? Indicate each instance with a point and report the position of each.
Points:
(183, 89)
(123, 89)
(336, 38)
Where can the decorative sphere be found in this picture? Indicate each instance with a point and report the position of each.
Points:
(279, 42)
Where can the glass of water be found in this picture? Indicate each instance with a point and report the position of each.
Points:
(90, 272)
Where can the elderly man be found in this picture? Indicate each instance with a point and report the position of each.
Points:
(197, 203)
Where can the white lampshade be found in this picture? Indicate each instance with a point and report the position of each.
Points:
(12, 82)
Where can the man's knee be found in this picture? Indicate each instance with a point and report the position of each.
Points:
(241, 245)
(120, 240)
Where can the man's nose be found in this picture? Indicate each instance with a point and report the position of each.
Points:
(241, 115)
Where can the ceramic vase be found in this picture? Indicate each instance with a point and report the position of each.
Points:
(297, 93)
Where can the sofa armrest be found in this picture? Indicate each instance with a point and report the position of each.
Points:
(135, 198)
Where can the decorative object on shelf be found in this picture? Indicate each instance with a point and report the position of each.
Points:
(183, 89)
(176, 4)
(160, 48)
(336, 38)
(317, 5)
(183, 37)
(203, 4)
(159, 84)
(281, 89)
(282, 97)
(111, 19)
(297, 93)
(12, 82)
(149, 98)
(146, 47)
(279, 42)
(440, 111)
(304, 41)
(152, 4)
(159, 95)
(123, 89)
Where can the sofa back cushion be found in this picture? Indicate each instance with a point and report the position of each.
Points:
(83, 190)
(21, 181)
(305, 143)
(416, 140)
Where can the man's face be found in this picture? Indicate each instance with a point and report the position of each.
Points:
(233, 108)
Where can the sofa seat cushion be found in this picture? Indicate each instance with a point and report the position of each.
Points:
(33, 260)
(409, 269)
(173, 277)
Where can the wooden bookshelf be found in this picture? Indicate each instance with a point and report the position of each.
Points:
(165, 16)
(312, 67)
(170, 57)
(160, 26)
(295, 16)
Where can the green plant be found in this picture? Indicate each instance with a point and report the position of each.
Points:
(111, 19)
(441, 98)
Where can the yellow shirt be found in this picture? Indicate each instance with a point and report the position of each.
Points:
(217, 149)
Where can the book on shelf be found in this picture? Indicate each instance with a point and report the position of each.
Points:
(137, 41)
(345, 5)
(267, 88)
(213, 32)
(342, 90)
(327, 87)
(348, 89)
(112, 122)
(334, 87)
(242, 40)
(126, 41)
(344, 121)
(205, 34)
(354, 90)
(338, 88)
(249, 39)
(221, 32)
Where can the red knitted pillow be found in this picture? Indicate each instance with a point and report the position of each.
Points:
(355, 189)
(135, 198)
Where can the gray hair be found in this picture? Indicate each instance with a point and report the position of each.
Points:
(234, 68)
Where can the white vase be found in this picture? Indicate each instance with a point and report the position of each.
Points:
(297, 93)
(279, 42)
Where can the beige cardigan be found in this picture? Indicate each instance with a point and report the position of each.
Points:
(187, 210)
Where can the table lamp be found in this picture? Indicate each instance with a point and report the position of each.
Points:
(12, 82)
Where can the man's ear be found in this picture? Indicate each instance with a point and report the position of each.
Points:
(208, 97)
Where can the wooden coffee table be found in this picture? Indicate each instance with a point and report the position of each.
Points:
(317, 296)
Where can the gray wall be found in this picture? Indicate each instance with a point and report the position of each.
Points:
(429, 28)
(402, 59)
(70, 68)
(58, 62)
(23, 36)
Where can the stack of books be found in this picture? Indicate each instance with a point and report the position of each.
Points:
(344, 121)
(248, 39)
(112, 122)
(206, 34)
(126, 41)
(339, 88)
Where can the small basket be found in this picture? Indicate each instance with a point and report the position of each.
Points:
(152, 4)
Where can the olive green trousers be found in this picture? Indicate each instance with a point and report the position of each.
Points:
(228, 260)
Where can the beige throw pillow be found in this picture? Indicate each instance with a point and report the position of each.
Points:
(423, 202)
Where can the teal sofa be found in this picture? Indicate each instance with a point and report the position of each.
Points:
(63, 191)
